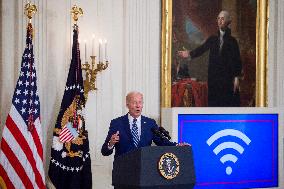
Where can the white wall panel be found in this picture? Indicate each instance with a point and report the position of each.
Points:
(9, 60)
(279, 52)
(142, 52)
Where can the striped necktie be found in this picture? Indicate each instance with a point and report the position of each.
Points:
(134, 132)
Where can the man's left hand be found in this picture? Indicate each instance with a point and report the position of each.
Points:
(183, 144)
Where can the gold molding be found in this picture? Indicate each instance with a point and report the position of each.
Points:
(261, 53)
(166, 48)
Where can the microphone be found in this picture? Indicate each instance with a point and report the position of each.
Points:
(158, 133)
(165, 132)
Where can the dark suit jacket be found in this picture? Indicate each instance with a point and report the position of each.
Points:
(125, 143)
(223, 67)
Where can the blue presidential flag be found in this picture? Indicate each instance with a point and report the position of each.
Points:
(70, 164)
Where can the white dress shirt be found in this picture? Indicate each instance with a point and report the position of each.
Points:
(222, 33)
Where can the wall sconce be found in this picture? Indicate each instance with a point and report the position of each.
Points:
(91, 70)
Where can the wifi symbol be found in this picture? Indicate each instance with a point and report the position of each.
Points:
(226, 145)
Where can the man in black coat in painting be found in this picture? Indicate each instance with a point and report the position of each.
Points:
(224, 68)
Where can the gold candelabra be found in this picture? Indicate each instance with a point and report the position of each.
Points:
(91, 70)
(91, 73)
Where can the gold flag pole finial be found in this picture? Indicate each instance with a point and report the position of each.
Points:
(76, 13)
(30, 10)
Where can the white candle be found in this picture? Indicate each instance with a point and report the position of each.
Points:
(105, 49)
(85, 50)
(93, 45)
(100, 50)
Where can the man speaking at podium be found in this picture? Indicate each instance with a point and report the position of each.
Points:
(133, 130)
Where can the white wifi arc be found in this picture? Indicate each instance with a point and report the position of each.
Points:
(226, 145)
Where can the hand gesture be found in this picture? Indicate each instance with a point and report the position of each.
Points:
(183, 54)
(114, 139)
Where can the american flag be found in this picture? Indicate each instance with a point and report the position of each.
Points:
(21, 155)
(70, 163)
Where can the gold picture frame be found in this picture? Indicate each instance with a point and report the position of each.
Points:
(261, 53)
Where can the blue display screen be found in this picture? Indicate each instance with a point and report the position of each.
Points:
(232, 150)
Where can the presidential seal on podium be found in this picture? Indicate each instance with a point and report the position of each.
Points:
(168, 165)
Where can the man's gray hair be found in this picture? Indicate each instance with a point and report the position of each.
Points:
(131, 93)
(227, 16)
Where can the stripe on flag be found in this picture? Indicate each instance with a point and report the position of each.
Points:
(65, 135)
